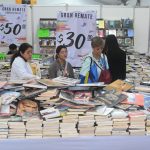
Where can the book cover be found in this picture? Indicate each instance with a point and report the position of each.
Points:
(27, 108)
(112, 98)
(119, 85)
(134, 98)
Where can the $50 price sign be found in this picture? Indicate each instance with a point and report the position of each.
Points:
(13, 23)
(9, 28)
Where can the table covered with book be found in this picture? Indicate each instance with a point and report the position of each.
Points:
(84, 116)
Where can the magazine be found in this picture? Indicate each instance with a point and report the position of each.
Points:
(79, 98)
(111, 98)
(51, 83)
(27, 108)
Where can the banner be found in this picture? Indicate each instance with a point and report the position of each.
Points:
(75, 30)
(13, 23)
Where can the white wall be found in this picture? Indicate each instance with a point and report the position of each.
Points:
(117, 12)
(141, 27)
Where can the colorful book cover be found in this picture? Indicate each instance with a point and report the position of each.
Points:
(134, 98)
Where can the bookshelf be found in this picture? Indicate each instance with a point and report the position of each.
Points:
(122, 29)
(47, 35)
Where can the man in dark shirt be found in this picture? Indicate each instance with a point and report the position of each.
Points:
(12, 49)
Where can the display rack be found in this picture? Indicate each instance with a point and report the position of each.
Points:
(122, 29)
(47, 35)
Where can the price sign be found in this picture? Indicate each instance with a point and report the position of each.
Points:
(13, 23)
(78, 42)
(10, 28)
(75, 30)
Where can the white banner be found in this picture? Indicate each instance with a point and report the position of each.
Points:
(13, 23)
(75, 30)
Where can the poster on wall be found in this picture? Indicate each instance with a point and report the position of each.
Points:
(75, 30)
(12, 24)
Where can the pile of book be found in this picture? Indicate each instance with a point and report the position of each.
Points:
(68, 129)
(148, 125)
(86, 125)
(16, 130)
(51, 127)
(137, 123)
(103, 125)
(120, 126)
(34, 128)
(3, 128)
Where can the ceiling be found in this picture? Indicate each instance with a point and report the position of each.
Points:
(96, 2)
(89, 2)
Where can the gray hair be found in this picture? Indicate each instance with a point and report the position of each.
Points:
(97, 42)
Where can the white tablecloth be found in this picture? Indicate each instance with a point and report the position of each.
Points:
(80, 143)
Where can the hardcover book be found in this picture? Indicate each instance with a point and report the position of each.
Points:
(119, 85)
(112, 98)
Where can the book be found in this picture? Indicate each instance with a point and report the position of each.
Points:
(79, 98)
(27, 108)
(119, 85)
(134, 98)
(2, 83)
(50, 83)
(111, 98)
(35, 86)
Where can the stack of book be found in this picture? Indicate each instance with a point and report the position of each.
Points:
(16, 130)
(3, 128)
(104, 125)
(70, 119)
(66, 80)
(34, 128)
(86, 125)
(148, 125)
(76, 112)
(120, 126)
(47, 98)
(51, 128)
(137, 123)
(68, 129)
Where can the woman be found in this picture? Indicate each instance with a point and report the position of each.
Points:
(94, 63)
(116, 58)
(61, 67)
(20, 68)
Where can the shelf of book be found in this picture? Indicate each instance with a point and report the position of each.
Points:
(122, 29)
(47, 35)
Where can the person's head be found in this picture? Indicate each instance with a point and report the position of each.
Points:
(12, 47)
(25, 51)
(61, 52)
(97, 44)
(111, 43)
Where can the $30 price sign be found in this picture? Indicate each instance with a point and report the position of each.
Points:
(69, 39)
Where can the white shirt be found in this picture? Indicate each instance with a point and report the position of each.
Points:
(21, 70)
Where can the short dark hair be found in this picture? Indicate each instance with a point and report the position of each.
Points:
(58, 49)
(97, 42)
(12, 46)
